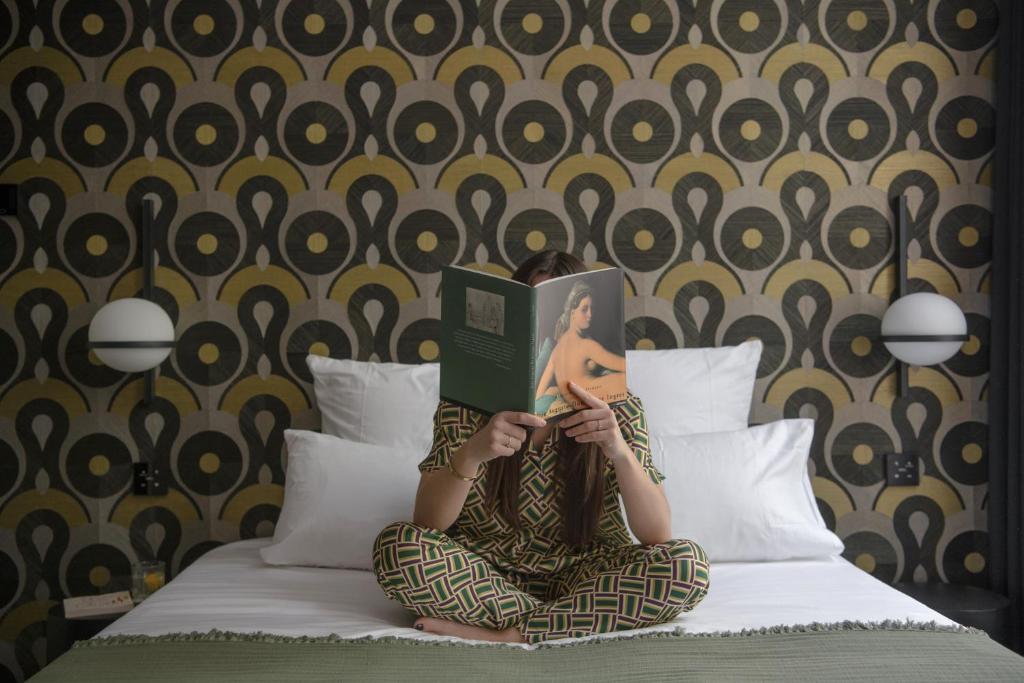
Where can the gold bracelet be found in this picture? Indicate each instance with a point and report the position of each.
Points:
(451, 468)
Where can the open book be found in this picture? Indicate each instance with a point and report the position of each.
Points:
(508, 346)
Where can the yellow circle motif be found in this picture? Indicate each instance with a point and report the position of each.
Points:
(642, 131)
(640, 23)
(429, 350)
(967, 128)
(968, 235)
(96, 245)
(424, 24)
(859, 237)
(92, 24)
(536, 240)
(966, 18)
(533, 132)
(750, 130)
(319, 349)
(426, 132)
(203, 24)
(971, 453)
(971, 346)
(974, 562)
(866, 562)
(206, 244)
(752, 238)
(749, 21)
(643, 239)
(426, 241)
(209, 462)
(209, 353)
(645, 344)
(316, 242)
(99, 465)
(857, 20)
(863, 454)
(314, 24)
(316, 133)
(858, 129)
(205, 134)
(99, 576)
(532, 23)
(94, 134)
(861, 346)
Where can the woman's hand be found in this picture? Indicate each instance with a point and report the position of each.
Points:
(502, 436)
(595, 424)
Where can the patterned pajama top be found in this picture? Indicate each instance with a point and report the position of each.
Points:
(537, 548)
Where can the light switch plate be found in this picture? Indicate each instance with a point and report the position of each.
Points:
(901, 469)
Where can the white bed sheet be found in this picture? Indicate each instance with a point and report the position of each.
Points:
(231, 589)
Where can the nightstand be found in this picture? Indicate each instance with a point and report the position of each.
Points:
(968, 605)
(61, 632)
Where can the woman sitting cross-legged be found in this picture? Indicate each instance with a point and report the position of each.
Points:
(535, 546)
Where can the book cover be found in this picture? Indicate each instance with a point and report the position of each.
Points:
(508, 346)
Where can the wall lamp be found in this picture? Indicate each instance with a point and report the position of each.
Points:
(921, 328)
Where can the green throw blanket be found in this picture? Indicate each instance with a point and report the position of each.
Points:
(891, 650)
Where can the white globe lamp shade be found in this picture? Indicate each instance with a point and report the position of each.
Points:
(923, 314)
(126, 322)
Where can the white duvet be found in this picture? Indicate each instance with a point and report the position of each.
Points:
(231, 589)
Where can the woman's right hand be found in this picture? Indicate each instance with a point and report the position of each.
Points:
(502, 436)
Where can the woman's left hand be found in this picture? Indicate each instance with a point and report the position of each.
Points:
(596, 424)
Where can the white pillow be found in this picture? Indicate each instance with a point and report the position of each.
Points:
(390, 404)
(692, 391)
(338, 495)
(745, 495)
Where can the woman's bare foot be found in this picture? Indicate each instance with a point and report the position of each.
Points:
(443, 627)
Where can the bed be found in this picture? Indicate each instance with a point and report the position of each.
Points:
(229, 616)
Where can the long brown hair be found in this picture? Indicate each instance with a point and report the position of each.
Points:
(580, 465)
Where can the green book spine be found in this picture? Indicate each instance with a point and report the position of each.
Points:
(531, 398)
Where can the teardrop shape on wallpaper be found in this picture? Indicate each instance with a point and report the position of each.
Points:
(148, 39)
(808, 410)
(369, 93)
(589, 254)
(696, 91)
(263, 367)
(480, 255)
(262, 313)
(803, 36)
(42, 425)
(478, 92)
(37, 94)
(261, 204)
(262, 257)
(479, 37)
(372, 201)
(35, 38)
(154, 535)
(915, 198)
(149, 93)
(42, 595)
(698, 253)
(261, 148)
(918, 523)
(912, 89)
(150, 149)
(806, 306)
(694, 36)
(588, 146)
(42, 370)
(42, 536)
(916, 414)
(372, 256)
(369, 39)
(157, 200)
(259, 39)
(587, 91)
(806, 252)
(374, 358)
(805, 200)
(42, 481)
(920, 574)
(697, 198)
(480, 200)
(373, 311)
(480, 147)
(265, 476)
(40, 260)
(803, 89)
(913, 250)
(38, 150)
(154, 424)
(696, 145)
(807, 360)
(39, 205)
(912, 34)
(589, 201)
(264, 421)
(699, 307)
(41, 316)
(803, 143)
(586, 37)
(259, 93)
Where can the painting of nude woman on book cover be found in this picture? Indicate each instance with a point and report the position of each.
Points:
(580, 338)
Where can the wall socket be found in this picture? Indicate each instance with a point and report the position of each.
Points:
(901, 469)
(147, 483)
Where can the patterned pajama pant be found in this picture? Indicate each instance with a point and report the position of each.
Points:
(612, 589)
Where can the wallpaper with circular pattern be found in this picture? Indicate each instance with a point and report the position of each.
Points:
(315, 163)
